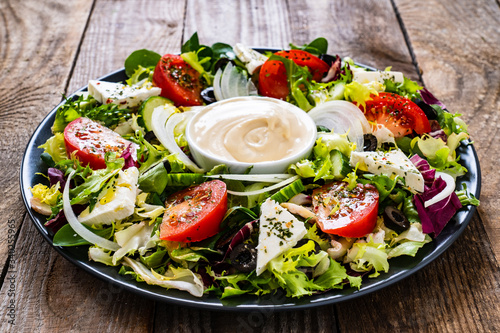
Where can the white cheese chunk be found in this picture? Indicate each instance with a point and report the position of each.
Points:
(251, 58)
(393, 163)
(115, 202)
(117, 93)
(279, 231)
(365, 77)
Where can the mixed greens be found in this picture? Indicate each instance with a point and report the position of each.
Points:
(117, 211)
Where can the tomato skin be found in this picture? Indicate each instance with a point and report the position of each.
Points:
(400, 115)
(273, 80)
(90, 141)
(317, 67)
(357, 210)
(195, 213)
(178, 81)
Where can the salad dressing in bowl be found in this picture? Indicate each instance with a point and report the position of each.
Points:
(259, 132)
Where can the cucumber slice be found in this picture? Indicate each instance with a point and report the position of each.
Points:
(340, 164)
(147, 108)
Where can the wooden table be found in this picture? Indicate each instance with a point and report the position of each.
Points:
(51, 47)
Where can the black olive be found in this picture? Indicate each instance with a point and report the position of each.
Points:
(328, 58)
(370, 142)
(208, 95)
(244, 258)
(149, 136)
(321, 128)
(428, 110)
(304, 241)
(221, 63)
(395, 219)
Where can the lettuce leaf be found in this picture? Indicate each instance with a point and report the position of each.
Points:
(441, 155)
(176, 278)
(358, 93)
(364, 257)
(55, 147)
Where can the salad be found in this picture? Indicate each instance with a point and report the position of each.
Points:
(379, 181)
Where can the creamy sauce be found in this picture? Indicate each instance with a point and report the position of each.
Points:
(251, 130)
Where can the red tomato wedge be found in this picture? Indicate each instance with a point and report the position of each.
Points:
(400, 115)
(344, 212)
(273, 80)
(178, 81)
(90, 141)
(195, 213)
(317, 67)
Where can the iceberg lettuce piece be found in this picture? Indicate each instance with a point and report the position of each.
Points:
(175, 278)
(55, 147)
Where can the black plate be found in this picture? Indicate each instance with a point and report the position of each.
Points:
(400, 267)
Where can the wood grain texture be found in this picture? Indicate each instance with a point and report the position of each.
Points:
(37, 49)
(71, 300)
(117, 28)
(253, 23)
(52, 295)
(459, 55)
(458, 292)
(367, 31)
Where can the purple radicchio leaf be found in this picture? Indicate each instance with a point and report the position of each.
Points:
(334, 71)
(56, 175)
(128, 156)
(429, 98)
(436, 216)
(60, 219)
(240, 237)
(423, 166)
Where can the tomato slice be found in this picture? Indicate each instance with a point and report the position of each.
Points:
(317, 67)
(273, 80)
(400, 115)
(195, 213)
(178, 81)
(90, 141)
(344, 212)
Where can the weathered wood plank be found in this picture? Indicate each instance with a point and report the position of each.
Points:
(253, 23)
(118, 28)
(37, 48)
(72, 300)
(458, 292)
(459, 55)
(367, 31)
(52, 295)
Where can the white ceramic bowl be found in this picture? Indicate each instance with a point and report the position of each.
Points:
(207, 160)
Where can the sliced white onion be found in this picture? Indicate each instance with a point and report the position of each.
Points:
(83, 232)
(449, 189)
(342, 117)
(252, 89)
(265, 189)
(269, 178)
(163, 128)
(230, 83)
(217, 90)
(226, 88)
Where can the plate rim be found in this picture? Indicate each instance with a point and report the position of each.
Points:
(138, 288)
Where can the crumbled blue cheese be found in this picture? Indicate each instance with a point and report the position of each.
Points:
(392, 164)
(115, 202)
(117, 93)
(279, 231)
(251, 58)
